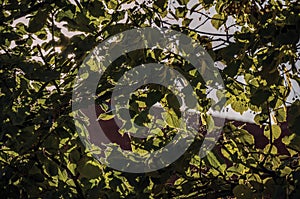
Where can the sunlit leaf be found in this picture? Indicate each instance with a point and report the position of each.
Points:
(218, 20)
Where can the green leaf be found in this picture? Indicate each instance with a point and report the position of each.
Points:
(142, 118)
(261, 118)
(210, 123)
(232, 68)
(294, 117)
(112, 4)
(289, 37)
(276, 132)
(218, 20)
(171, 118)
(52, 169)
(38, 177)
(82, 22)
(246, 137)
(62, 175)
(183, 2)
(96, 8)
(285, 171)
(65, 15)
(230, 51)
(186, 22)
(260, 96)
(105, 116)
(173, 102)
(51, 143)
(239, 106)
(49, 75)
(220, 6)
(38, 21)
(153, 97)
(161, 5)
(295, 143)
(74, 156)
(213, 161)
(17, 118)
(89, 170)
(273, 150)
(180, 12)
(287, 139)
(242, 192)
(281, 115)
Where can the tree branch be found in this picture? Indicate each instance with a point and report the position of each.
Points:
(74, 178)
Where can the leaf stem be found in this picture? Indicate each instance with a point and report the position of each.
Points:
(271, 136)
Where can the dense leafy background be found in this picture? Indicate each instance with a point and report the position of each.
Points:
(44, 42)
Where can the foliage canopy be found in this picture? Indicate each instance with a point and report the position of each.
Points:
(41, 154)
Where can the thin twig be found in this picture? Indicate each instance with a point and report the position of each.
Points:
(202, 32)
(74, 178)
